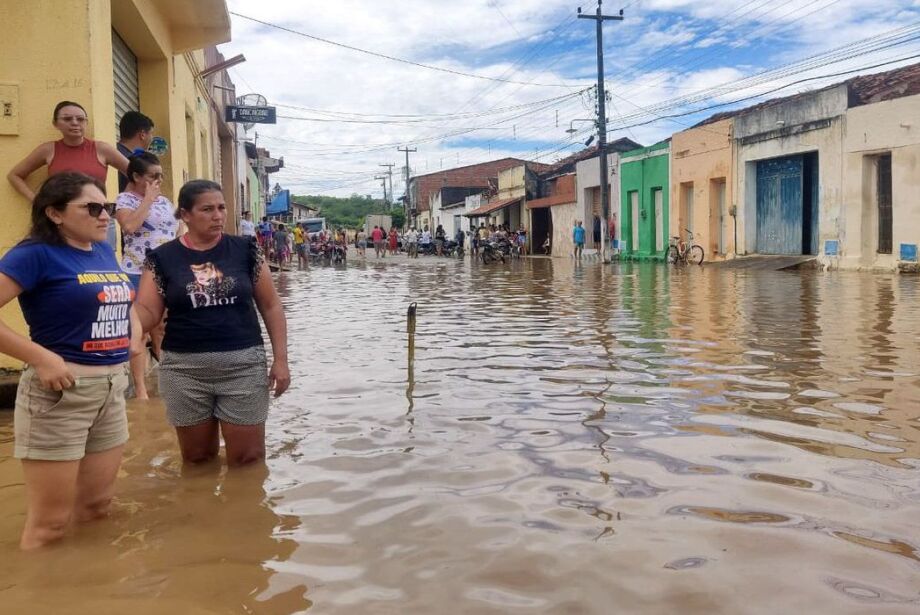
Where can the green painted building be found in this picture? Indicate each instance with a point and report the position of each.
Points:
(644, 201)
(253, 201)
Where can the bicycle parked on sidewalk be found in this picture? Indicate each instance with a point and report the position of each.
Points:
(684, 252)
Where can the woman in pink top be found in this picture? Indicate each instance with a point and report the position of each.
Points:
(72, 152)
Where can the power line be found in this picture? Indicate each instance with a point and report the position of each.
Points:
(662, 55)
(870, 45)
(396, 59)
(415, 118)
(773, 91)
(557, 31)
(866, 46)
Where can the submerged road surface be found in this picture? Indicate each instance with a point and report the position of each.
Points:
(569, 439)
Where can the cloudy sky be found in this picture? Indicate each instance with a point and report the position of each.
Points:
(483, 79)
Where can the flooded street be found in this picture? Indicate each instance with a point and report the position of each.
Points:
(569, 439)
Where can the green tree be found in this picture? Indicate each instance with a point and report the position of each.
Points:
(348, 212)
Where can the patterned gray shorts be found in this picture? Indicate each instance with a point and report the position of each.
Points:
(230, 386)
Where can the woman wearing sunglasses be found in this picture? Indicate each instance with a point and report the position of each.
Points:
(72, 152)
(69, 422)
(147, 220)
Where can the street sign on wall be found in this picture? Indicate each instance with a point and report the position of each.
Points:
(250, 115)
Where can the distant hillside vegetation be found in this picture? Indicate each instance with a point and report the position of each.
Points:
(349, 212)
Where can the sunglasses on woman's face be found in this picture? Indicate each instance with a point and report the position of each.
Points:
(95, 209)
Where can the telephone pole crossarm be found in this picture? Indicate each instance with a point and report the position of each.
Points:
(383, 181)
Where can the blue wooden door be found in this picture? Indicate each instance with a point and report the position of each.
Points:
(779, 205)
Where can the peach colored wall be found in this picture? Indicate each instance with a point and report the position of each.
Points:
(699, 156)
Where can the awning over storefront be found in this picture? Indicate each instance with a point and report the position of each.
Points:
(549, 201)
(489, 208)
(280, 205)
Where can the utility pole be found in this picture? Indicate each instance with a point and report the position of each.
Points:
(390, 174)
(407, 150)
(600, 18)
(383, 181)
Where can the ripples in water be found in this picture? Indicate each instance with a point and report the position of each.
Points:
(567, 439)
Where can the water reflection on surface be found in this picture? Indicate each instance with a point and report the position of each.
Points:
(568, 439)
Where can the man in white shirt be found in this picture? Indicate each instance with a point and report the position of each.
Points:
(247, 228)
(425, 239)
(411, 238)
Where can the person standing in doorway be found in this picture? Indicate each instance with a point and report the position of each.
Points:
(74, 152)
(612, 231)
(135, 130)
(147, 221)
(578, 238)
(69, 423)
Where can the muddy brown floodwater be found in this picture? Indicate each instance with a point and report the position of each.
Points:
(568, 440)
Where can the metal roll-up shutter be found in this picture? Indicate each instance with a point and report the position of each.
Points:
(124, 64)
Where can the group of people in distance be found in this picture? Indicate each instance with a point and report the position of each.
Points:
(382, 241)
(87, 315)
(499, 232)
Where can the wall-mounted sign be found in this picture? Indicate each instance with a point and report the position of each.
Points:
(250, 115)
(158, 146)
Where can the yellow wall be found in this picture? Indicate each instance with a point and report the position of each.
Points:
(511, 183)
(699, 156)
(62, 50)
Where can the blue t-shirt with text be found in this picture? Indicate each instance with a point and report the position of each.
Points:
(76, 302)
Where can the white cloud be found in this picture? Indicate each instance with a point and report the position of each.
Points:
(660, 36)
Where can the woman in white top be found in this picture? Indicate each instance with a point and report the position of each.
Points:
(147, 220)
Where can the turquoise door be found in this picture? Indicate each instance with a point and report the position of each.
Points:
(780, 205)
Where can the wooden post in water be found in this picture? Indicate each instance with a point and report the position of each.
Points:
(410, 329)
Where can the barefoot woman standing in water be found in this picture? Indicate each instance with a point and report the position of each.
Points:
(213, 374)
(70, 425)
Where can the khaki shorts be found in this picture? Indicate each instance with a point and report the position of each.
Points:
(89, 417)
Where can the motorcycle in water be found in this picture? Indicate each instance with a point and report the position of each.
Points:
(452, 248)
(504, 246)
(315, 252)
(489, 251)
(338, 254)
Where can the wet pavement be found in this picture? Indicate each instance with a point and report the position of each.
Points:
(568, 439)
